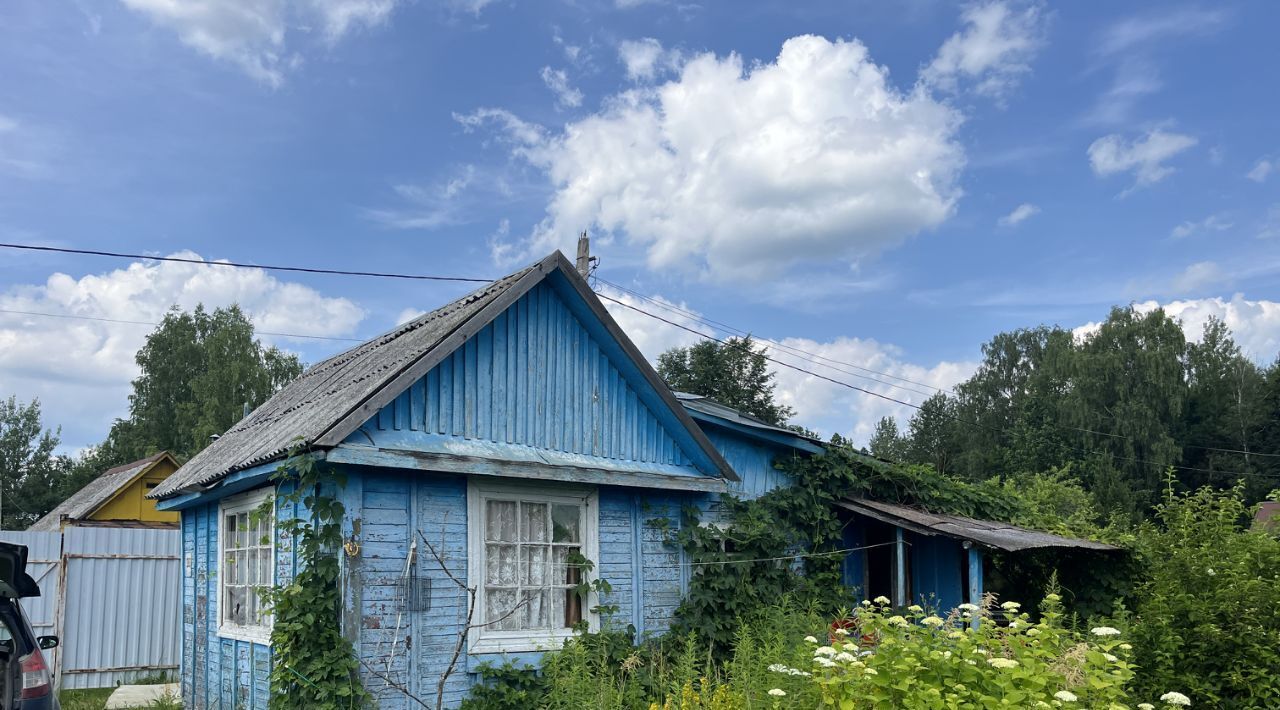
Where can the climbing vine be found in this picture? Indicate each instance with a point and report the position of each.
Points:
(313, 666)
(768, 541)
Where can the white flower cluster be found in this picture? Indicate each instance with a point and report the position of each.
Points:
(787, 670)
(1176, 698)
(1104, 631)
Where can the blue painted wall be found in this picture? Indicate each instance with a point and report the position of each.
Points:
(534, 377)
(397, 506)
(219, 672)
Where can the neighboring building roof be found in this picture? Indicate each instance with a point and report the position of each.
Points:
(333, 398)
(97, 492)
(711, 408)
(984, 532)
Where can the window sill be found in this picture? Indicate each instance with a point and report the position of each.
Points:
(262, 637)
(519, 644)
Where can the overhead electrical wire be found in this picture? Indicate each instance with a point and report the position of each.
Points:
(895, 400)
(267, 267)
(670, 307)
(149, 323)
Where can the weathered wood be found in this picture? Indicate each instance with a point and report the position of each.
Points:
(454, 463)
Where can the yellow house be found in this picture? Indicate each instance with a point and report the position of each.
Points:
(118, 495)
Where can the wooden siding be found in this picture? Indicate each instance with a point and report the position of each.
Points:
(533, 377)
(219, 672)
(752, 460)
(395, 508)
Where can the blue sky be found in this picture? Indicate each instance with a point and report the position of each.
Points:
(882, 184)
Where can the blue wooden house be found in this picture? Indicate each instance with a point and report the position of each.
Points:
(516, 427)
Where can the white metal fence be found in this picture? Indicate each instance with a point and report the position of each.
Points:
(113, 598)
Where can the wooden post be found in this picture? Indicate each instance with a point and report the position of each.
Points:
(584, 255)
(975, 578)
(900, 569)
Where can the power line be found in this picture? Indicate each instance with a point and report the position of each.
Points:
(801, 353)
(267, 267)
(148, 323)
(690, 314)
(863, 390)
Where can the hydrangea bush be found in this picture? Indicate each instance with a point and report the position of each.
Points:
(975, 657)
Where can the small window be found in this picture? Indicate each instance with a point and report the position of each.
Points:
(526, 545)
(245, 567)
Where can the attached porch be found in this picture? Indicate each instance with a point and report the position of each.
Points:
(939, 561)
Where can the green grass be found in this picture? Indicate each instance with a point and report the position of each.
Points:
(96, 698)
(84, 699)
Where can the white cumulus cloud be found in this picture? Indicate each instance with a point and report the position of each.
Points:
(1255, 325)
(1145, 157)
(253, 34)
(993, 50)
(558, 81)
(81, 369)
(739, 172)
(645, 58)
(1020, 214)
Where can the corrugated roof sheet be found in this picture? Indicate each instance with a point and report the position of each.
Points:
(706, 405)
(302, 411)
(95, 493)
(984, 532)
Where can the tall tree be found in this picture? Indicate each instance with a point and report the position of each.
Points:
(29, 468)
(199, 371)
(734, 373)
(1224, 403)
(934, 432)
(887, 443)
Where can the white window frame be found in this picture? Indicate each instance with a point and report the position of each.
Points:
(483, 639)
(243, 503)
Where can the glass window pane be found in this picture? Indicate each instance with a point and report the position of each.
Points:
(229, 532)
(264, 566)
(242, 566)
(534, 571)
(533, 521)
(251, 568)
(235, 605)
(499, 603)
(564, 571)
(251, 606)
(242, 530)
(537, 610)
(565, 520)
(568, 606)
(500, 520)
(501, 566)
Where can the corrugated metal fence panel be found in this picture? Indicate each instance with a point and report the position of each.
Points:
(43, 549)
(122, 602)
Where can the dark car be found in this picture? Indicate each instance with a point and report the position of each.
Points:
(24, 681)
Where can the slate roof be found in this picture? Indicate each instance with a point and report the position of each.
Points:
(710, 407)
(95, 493)
(332, 398)
(1002, 536)
(305, 409)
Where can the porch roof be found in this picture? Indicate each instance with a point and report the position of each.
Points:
(1002, 536)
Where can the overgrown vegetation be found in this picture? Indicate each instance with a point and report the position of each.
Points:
(198, 372)
(1117, 406)
(313, 665)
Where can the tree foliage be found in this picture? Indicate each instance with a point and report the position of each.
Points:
(734, 373)
(1118, 405)
(30, 470)
(199, 372)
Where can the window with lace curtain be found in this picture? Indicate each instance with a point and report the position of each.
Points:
(525, 543)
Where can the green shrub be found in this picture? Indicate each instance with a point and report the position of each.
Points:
(1207, 613)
